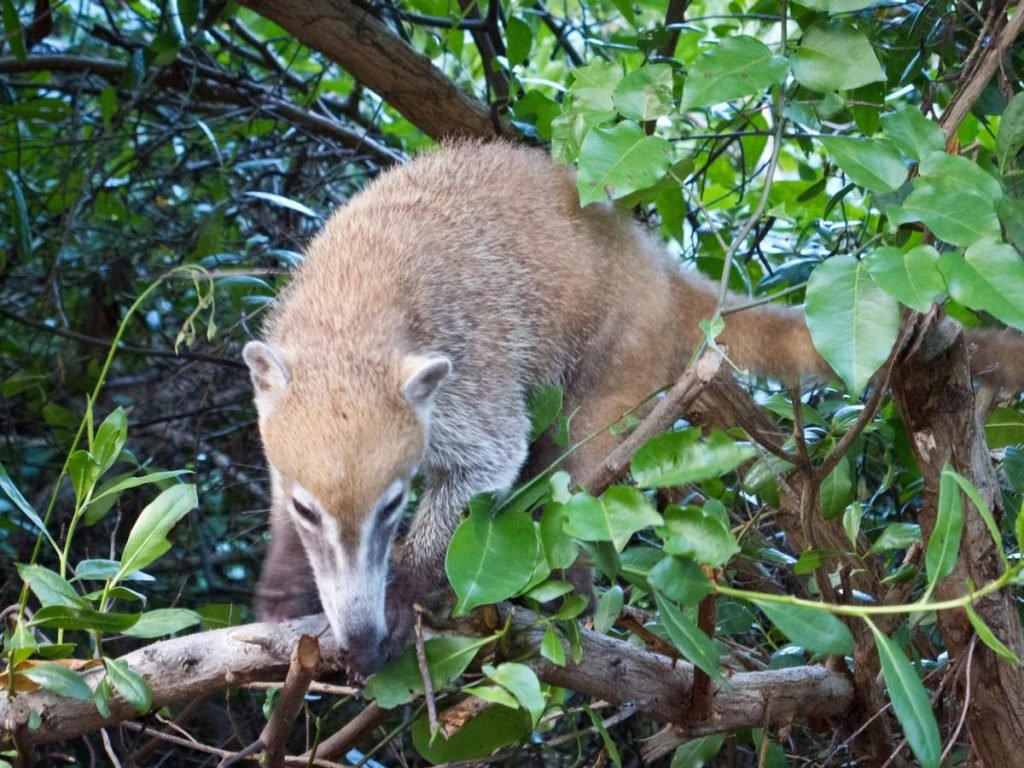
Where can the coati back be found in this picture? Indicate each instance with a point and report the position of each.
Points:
(423, 314)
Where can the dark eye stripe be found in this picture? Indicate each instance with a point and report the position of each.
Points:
(305, 513)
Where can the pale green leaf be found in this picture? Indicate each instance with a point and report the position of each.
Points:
(129, 685)
(833, 55)
(617, 161)
(737, 66)
(913, 134)
(645, 94)
(913, 278)
(817, 631)
(148, 537)
(852, 321)
(872, 164)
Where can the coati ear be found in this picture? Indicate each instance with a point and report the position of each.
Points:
(422, 376)
(269, 374)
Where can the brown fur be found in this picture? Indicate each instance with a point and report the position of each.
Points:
(480, 253)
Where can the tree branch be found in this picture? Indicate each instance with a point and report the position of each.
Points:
(196, 665)
(365, 47)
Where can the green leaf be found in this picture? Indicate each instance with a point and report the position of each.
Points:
(835, 56)
(837, 489)
(84, 471)
(99, 569)
(913, 278)
(896, 536)
(697, 753)
(72, 617)
(129, 685)
(494, 694)
(1004, 427)
(487, 732)
(983, 510)
(20, 223)
(521, 682)
(49, 587)
(163, 621)
(617, 161)
(109, 440)
(967, 176)
(944, 543)
(909, 701)
(988, 637)
(699, 533)
(616, 516)
(1010, 138)
(148, 538)
(677, 458)
(695, 646)
(852, 516)
(645, 94)
(544, 405)
(551, 647)
(518, 40)
(870, 163)
(559, 548)
(954, 213)
(913, 134)
(738, 66)
(13, 31)
(609, 606)
(11, 491)
(593, 87)
(852, 321)
(59, 680)
(680, 579)
(490, 557)
(817, 631)
(549, 590)
(990, 277)
(399, 681)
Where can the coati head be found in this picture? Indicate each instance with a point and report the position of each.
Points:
(343, 442)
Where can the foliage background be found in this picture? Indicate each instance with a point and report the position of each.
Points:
(140, 137)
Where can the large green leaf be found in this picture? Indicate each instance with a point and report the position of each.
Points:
(817, 631)
(909, 701)
(697, 753)
(617, 161)
(967, 176)
(51, 588)
(73, 617)
(681, 579)
(913, 134)
(399, 681)
(490, 557)
(989, 277)
(109, 440)
(872, 164)
(645, 94)
(616, 516)
(954, 213)
(834, 56)
(163, 621)
(699, 533)
(484, 734)
(680, 457)
(852, 321)
(738, 66)
(695, 646)
(1004, 427)
(60, 680)
(913, 277)
(148, 538)
(837, 489)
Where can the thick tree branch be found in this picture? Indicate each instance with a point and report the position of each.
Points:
(366, 48)
(196, 665)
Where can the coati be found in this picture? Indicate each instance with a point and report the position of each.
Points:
(423, 314)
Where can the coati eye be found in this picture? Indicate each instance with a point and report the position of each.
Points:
(305, 513)
(393, 506)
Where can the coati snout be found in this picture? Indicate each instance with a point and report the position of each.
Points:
(342, 489)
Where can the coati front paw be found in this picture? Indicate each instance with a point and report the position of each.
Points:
(410, 587)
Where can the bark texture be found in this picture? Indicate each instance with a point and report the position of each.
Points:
(936, 399)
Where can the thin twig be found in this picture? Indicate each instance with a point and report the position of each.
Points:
(428, 686)
(341, 742)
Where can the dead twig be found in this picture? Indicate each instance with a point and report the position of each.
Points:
(428, 687)
(342, 741)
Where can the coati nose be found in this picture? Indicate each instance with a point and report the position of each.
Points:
(365, 648)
